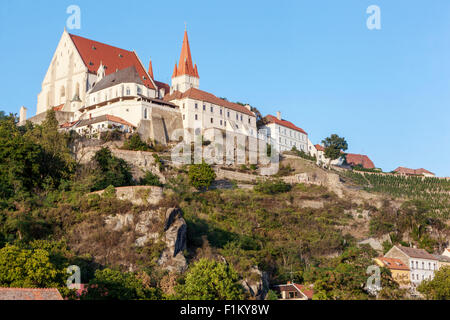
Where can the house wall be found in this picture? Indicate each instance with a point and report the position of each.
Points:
(284, 139)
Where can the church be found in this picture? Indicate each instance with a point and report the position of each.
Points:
(94, 87)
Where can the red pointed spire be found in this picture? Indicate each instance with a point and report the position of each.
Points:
(175, 71)
(150, 69)
(196, 71)
(185, 66)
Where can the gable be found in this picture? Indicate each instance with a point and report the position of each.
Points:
(66, 58)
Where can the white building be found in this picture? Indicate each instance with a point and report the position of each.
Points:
(203, 110)
(421, 263)
(284, 135)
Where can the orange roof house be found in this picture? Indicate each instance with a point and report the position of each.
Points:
(284, 123)
(29, 294)
(294, 291)
(413, 172)
(359, 159)
(197, 94)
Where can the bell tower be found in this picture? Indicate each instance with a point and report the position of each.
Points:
(185, 75)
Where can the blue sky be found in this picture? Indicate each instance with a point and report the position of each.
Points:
(386, 91)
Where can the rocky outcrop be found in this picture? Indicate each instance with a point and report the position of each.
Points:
(257, 284)
(175, 230)
(138, 195)
(156, 225)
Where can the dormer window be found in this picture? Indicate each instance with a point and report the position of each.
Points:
(120, 55)
(94, 48)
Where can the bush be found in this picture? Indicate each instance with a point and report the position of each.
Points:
(136, 144)
(113, 171)
(112, 135)
(201, 176)
(211, 280)
(272, 187)
(150, 179)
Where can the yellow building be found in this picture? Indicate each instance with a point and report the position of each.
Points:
(399, 271)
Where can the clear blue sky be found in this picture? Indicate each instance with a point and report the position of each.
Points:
(387, 91)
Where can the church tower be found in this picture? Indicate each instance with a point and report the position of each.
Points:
(185, 75)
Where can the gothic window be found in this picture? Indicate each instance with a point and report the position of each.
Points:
(212, 120)
(196, 117)
(63, 92)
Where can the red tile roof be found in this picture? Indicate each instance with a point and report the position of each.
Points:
(68, 124)
(197, 94)
(359, 159)
(416, 253)
(118, 120)
(409, 171)
(392, 263)
(29, 294)
(309, 292)
(58, 108)
(162, 85)
(284, 123)
(319, 147)
(95, 53)
(185, 66)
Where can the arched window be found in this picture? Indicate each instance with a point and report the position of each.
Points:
(62, 92)
(77, 90)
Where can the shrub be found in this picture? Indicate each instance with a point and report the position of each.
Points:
(136, 144)
(112, 135)
(150, 179)
(113, 171)
(272, 187)
(201, 176)
(211, 280)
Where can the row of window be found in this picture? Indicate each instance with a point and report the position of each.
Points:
(292, 133)
(127, 93)
(417, 277)
(423, 265)
(239, 116)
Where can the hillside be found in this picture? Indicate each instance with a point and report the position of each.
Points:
(138, 229)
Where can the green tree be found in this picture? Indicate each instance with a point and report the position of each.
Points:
(201, 176)
(135, 143)
(115, 285)
(334, 146)
(28, 268)
(439, 287)
(150, 179)
(113, 171)
(211, 280)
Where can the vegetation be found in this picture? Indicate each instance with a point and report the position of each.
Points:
(334, 146)
(211, 280)
(303, 154)
(201, 176)
(136, 144)
(150, 179)
(272, 187)
(112, 171)
(434, 192)
(439, 287)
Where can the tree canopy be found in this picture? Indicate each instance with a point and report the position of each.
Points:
(334, 146)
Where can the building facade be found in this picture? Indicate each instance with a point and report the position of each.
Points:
(284, 135)
(422, 264)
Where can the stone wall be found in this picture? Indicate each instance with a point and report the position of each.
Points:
(61, 116)
(138, 195)
(161, 125)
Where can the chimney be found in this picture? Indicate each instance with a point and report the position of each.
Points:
(248, 107)
(23, 114)
(278, 115)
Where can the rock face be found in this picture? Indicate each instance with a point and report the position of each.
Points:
(138, 195)
(175, 230)
(256, 288)
(155, 225)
